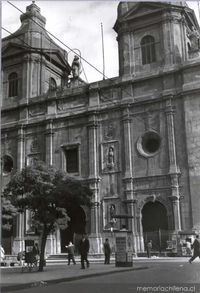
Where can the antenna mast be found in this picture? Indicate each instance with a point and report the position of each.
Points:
(102, 40)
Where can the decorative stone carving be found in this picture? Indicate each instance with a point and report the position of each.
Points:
(34, 146)
(106, 95)
(110, 157)
(109, 131)
(112, 211)
(194, 37)
(110, 163)
(76, 67)
(152, 183)
(36, 111)
(71, 104)
(61, 106)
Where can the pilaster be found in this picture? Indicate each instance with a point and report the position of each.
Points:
(94, 180)
(167, 41)
(20, 148)
(18, 244)
(49, 142)
(174, 171)
(128, 172)
(173, 168)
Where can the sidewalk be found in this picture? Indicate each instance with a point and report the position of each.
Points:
(12, 278)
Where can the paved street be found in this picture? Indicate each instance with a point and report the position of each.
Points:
(144, 273)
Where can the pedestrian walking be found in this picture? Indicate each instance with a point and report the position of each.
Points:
(70, 250)
(36, 253)
(84, 247)
(149, 247)
(35, 250)
(188, 247)
(196, 249)
(107, 251)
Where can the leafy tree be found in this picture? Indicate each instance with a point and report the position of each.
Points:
(48, 193)
(8, 212)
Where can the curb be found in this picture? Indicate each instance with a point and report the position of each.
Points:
(67, 279)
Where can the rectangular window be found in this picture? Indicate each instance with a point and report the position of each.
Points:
(72, 161)
(13, 84)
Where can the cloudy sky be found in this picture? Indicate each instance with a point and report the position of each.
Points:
(78, 25)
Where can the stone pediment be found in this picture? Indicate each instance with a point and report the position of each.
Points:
(13, 49)
(56, 56)
(142, 9)
(191, 19)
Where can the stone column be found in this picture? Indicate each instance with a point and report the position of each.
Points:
(128, 175)
(175, 199)
(140, 232)
(174, 171)
(25, 77)
(18, 243)
(20, 148)
(168, 44)
(95, 237)
(127, 145)
(51, 239)
(49, 142)
(30, 76)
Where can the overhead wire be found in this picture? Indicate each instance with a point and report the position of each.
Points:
(72, 50)
(29, 46)
(59, 40)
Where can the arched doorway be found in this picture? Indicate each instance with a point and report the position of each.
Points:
(76, 226)
(155, 225)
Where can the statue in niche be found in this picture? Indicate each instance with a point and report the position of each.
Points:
(112, 219)
(34, 146)
(32, 160)
(76, 67)
(110, 160)
(194, 38)
(112, 211)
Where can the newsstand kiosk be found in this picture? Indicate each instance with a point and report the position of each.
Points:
(124, 249)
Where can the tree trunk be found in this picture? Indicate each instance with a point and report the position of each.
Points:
(42, 251)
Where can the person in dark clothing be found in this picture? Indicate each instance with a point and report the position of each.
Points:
(107, 251)
(70, 250)
(84, 247)
(149, 247)
(35, 253)
(196, 247)
(35, 250)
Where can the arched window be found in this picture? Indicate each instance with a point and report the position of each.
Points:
(52, 84)
(13, 84)
(148, 50)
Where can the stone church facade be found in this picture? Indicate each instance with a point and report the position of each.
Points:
(135, 138)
